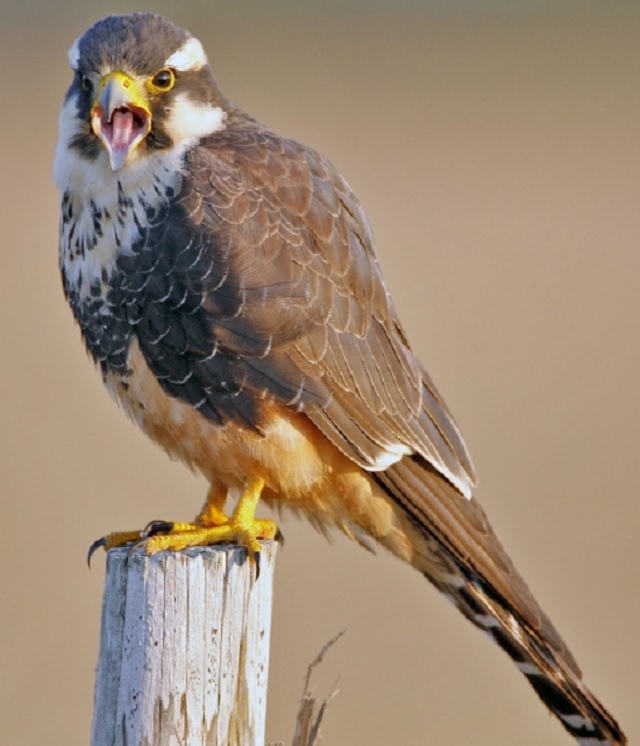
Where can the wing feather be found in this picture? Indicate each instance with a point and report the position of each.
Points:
(265, 283)
(462, 528)
(271, 247)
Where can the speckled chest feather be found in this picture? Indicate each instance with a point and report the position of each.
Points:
(105, 257)
(138, 262)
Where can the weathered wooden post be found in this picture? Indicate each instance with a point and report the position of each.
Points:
(184, 648)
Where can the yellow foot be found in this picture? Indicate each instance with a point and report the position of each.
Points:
(183, 535)
(242, 528)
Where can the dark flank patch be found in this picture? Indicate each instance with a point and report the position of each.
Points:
(164, 280)
(179, 295)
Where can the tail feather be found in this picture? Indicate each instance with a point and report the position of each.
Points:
(556, 683)
(456, 549)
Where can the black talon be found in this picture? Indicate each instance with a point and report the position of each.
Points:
(279, 537)
(156, 527)
(101, 542)
(256, 559)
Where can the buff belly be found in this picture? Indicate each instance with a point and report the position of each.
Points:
(301, 469)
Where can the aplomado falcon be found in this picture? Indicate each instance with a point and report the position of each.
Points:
(225, 283)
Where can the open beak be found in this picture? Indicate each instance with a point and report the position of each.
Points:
(120, 116)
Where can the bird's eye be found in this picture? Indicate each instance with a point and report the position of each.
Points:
(163, 80)
(85, 82)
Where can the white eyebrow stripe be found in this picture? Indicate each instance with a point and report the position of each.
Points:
(190, 56)
(74, 54)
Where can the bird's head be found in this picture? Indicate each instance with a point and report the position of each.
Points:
(140, 85)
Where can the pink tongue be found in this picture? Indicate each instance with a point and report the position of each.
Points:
(122, 129)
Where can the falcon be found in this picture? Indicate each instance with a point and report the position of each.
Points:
(225, 284)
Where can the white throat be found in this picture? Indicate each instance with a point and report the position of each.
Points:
(106, 211)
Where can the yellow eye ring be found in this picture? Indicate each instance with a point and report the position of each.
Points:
(163, 81)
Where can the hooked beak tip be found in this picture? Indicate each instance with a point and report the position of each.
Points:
(120, 118)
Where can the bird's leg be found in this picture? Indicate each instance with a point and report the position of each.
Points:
(211, 526)
(212, 513)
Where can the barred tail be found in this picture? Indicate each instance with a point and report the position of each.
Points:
(456, 549)
(558, 684)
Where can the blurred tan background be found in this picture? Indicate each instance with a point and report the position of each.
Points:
(496, 147)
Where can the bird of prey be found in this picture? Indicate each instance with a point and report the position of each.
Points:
(225, 283)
